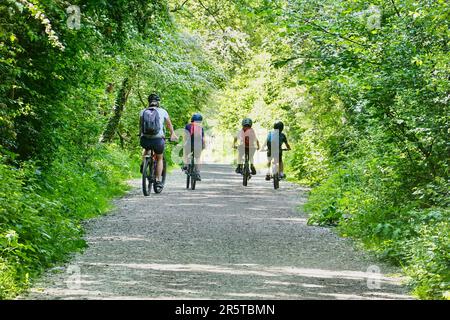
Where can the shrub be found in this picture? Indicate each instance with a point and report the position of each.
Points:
(40, 212)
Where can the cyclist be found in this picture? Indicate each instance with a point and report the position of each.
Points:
(194, 141)
(247, 142)
(274, 143)
(153, 121)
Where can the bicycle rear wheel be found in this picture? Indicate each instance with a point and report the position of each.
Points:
(188, 177)
(246, 169)
(147, 176)
(276, 181)
(193, 174)
(193, 180)
(245, 175)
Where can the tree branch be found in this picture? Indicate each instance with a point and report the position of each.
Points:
(212, 15)
(395, 7)
(180, 7)
(139, 94)
(220, 26)
(334, 34)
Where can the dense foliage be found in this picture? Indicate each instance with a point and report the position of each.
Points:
(365, 92)
(65, 89)
(363, 89)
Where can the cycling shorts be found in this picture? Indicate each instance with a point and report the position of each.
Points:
(155, 144)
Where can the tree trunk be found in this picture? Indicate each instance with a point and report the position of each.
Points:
(119, 106)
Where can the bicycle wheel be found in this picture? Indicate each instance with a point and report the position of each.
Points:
(245, 175)
(146, 176)
(188, 176)
(193, 180)
(276, 181)
(246, 169)
(193, 173)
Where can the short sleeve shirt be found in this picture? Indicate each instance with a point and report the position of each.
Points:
(272, 136)
(194, 130)
(247, 136)
(163, 116)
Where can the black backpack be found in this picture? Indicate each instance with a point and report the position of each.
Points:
(151, 124)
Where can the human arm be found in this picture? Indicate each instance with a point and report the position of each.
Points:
(287, 143)
(187, 134)
(203, 139)
(288, 146)
(253, 137)
(140, 123)
(234, 142)
(173, 136)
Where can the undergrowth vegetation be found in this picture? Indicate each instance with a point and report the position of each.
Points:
(363, 89)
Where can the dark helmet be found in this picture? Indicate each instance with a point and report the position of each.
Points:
(196, 117)
(247, 122)
(153, 98)
(278, 125)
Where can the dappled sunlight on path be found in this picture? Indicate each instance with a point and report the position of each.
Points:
(221, 241)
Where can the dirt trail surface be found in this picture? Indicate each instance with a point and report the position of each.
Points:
(221, 241)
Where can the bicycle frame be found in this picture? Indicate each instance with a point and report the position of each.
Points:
(149, 173)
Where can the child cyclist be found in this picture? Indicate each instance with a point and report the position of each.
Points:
(247, 141)
(274, 143)
(194, 142)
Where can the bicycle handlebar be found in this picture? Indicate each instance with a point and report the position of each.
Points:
(167, 139)
(284, 149)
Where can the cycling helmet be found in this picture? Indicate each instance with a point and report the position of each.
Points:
(247, 122)
(153, 97)
(196, 117)
(278, 125)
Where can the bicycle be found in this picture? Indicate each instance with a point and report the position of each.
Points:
(191, 173)
(149, 171)
(246, 172)
(149, 174)
(276, 172)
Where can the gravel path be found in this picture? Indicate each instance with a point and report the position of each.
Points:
(221, 241)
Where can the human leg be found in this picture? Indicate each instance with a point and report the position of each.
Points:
(240, 160)
(251, 156)
(157, 146)
(145, 145)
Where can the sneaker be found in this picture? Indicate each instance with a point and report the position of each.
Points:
(267, 177)
(253, 169)
(158, 187)
(239, 169)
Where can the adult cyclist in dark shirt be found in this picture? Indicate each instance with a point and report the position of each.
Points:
(194, 142)
(274, 142)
